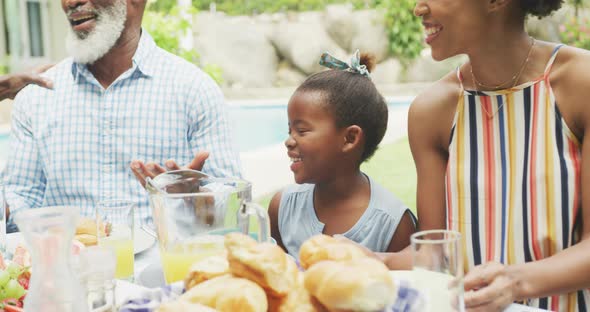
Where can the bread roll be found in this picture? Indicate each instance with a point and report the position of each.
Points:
(228, 294)
(298, 299)
(206, 269)
(356, 285)
(86, 231)
(183, 306)
(265, 264)
(323, 247)
(86, 239)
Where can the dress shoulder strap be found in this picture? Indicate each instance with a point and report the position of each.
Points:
(551, 60)
(460, 77)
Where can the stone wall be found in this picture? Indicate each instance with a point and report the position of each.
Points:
(280, 50)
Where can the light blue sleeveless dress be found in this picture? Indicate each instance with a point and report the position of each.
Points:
(298, 221)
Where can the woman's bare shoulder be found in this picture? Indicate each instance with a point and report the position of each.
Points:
(438, 100)
(570, 81)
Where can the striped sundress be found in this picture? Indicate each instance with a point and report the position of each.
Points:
(513, 179)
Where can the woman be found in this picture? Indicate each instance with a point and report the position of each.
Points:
(11, 84)
(500, 154)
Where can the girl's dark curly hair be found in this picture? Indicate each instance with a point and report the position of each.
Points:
(540, 8)
(354, 100)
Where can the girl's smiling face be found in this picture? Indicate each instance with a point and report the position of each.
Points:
(315, 142)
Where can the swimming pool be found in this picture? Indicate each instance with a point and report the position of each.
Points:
(259, 124)
(256, 124)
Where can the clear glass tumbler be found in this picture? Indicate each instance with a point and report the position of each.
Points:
(438, 269)
(96, 271)
(115, 221)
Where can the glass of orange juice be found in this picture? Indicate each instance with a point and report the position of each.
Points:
(114, 220)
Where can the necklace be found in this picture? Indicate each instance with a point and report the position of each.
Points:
(514, 80)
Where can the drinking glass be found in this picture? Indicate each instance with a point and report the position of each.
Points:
(97, 273)
(114, 221)
(438, 269)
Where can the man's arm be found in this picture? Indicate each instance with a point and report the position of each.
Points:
(11, 84)
(210, 131)
(23, 176)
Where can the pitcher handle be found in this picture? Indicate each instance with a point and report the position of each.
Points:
(253, 209)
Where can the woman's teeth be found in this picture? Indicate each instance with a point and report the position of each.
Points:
(432, 30)
(295, 159)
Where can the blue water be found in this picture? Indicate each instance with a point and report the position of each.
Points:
(257, 126)
(254, 126)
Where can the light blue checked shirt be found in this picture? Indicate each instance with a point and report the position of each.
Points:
(73, 145)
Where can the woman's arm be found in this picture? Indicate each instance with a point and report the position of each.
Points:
(430, 120)
(11, 84)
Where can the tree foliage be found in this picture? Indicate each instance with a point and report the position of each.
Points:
(405, 31)
(168, 27)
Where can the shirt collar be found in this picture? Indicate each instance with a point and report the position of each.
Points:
(142, 59)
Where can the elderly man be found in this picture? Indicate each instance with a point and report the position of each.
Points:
(118, 99)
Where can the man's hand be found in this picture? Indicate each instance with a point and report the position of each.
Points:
(10, 85)
(151, 169)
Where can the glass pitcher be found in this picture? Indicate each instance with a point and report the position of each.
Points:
(48, 233)
(193, 211)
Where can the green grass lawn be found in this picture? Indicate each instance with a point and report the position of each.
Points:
(392, 166)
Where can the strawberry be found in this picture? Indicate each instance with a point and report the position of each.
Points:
(11, 308)
(24, 282)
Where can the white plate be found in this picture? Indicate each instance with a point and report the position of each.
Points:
(141, 242)
(151, 277)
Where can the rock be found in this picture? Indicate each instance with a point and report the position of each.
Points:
(387, 72)
(301, 42)
(288, 76)
(370, 35)
(340, 24)
(363, 30)
(241, 49)
(425, 69)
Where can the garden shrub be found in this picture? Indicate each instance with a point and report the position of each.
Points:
(405, 30)
(576, 32)
(167, 29)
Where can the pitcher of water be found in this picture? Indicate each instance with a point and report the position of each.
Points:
(192, 212)
(48, 233)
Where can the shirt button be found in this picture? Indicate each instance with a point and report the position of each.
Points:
(106, 168)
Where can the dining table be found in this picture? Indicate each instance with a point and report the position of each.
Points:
(148, 275)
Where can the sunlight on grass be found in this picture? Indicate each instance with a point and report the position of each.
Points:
(392, 166)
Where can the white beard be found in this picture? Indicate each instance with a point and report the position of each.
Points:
(87, 48)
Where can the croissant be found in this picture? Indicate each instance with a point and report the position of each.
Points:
(323, 247)
(355, 285)
(228, 294)
(206, 269)
(265, 264)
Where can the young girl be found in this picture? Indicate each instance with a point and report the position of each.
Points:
(336, 120)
